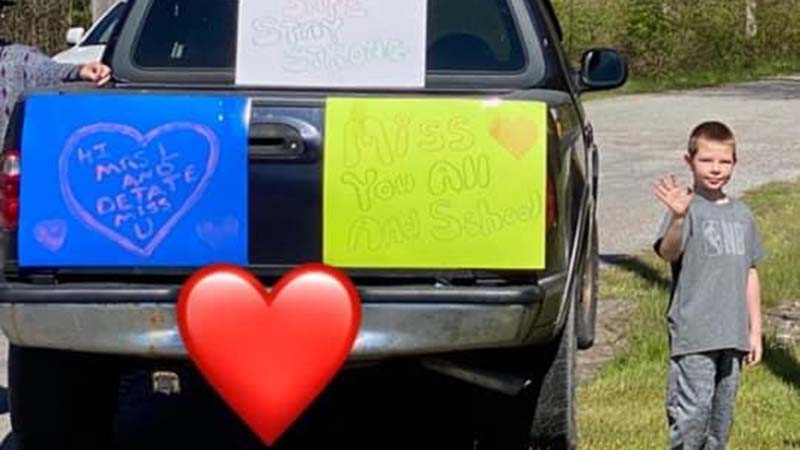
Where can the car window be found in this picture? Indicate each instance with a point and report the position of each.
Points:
(473, 35)
(188, 33)
(463, 35)
(102, 32)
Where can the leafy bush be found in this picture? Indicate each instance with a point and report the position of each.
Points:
(663, 37)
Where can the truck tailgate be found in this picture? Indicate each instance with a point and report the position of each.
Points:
(285, 179)
(285, 211)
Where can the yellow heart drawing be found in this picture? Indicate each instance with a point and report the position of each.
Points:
(517, 135)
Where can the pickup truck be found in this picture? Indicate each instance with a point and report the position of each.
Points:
(514, 333)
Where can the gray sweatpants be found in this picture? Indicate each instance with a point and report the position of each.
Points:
(701, 394)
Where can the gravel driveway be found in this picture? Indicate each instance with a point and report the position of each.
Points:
(642, 137)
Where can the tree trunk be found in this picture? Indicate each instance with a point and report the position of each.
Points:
(99, 7)
(751, 25)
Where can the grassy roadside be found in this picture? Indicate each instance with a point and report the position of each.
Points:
(699, 79)
(623, 406)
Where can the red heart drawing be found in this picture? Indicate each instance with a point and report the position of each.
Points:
(269, 354)
(517, 135)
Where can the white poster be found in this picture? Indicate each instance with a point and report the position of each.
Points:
(331, 43)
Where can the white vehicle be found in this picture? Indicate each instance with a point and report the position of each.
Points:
(89, 46)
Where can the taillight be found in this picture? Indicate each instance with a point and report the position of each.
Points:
(9, 186)
(552, 204)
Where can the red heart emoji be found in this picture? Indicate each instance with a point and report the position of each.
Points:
(269, 354)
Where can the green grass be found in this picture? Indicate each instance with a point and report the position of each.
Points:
(699, 79)
(777, 210)
(624, 406)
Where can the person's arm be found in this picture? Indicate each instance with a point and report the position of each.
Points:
(754, 317)
(670, 247)
(677, 198)
(42, 70)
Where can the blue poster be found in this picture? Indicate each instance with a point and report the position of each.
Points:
(133, 180)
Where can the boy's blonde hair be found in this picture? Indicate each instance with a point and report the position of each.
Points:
(711, 131)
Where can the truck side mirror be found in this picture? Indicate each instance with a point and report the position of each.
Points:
(74, 35)
(603, 69)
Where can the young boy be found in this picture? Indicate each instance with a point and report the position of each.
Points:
(23, 67)
(714, 318)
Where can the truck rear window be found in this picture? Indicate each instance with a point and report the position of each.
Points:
(463, 35)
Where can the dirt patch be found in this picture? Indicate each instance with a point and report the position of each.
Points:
(609, 337)
(782, 324)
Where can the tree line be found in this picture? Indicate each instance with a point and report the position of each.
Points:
(44, 23)
(663, 37)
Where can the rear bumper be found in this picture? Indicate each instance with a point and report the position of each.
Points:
(396, 321)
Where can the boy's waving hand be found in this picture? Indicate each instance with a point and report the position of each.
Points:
(676, 197)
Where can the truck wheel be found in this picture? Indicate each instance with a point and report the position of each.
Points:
(587, 309)
(554, 426)
(542, 416)
(60, 399)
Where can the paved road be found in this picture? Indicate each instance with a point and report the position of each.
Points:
(642, 137)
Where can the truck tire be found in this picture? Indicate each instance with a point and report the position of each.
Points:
(587, 309)
(60, 399)
(542, 416)
(554, 425)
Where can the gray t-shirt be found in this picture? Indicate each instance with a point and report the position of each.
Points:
(708, 304)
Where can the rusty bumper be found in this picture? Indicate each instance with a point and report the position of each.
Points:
(140, 320)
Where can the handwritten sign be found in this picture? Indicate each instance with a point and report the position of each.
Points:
(140, 180)
(434, 183)
(332, 43)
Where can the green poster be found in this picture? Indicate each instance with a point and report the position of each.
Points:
(434, 183)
